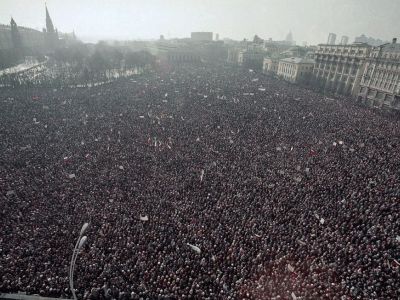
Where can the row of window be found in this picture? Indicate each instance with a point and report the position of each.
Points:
(340, 69)
(340, 50)
(384, 85)
(393, 67)
(387, 55)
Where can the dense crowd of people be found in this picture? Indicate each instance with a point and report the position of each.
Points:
(198, 183)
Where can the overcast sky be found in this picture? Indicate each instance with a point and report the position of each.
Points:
(309, 20)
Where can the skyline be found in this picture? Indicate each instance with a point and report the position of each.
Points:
(310, 20)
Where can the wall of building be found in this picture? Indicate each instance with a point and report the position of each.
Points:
(338, 68)
(380, 84)
(270, 66)
(295, 70)
(31, 38)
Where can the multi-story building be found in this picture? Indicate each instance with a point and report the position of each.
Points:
(331, 39)
(271, 62)
(289, 39)
(295, 69)
(295, 51)
(270, 65)
(380, 83)
(344, 40)
(273, 47)
(251, 58)
(369, 40)
(338, 68)
(233, 55)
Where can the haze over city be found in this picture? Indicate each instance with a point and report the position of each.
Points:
(199, 149)
(309, 20)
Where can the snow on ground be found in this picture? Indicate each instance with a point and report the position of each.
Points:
(28, 64)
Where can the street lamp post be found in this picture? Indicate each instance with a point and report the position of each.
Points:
(79, 244)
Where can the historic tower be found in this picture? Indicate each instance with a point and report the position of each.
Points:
(15, 35)
(51, 33)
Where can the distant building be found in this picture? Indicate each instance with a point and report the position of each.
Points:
(217, 37)
(251, 58)
(30, 38)
(257, 40)
(15, 35)
(233, 55)
(295, 69)
(289, 39)
(275, 47)
(170, 53)
(344, 40)
(182, 56)
(369, 40)
(201, 36)
(331, 39)
(17, 42)
(294, 51)
(51, 34)
(338, 68)
(215, 51)
(270, 66)
(380, 84)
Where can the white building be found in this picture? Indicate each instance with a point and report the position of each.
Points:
(296, 69)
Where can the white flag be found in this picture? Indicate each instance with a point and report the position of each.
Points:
(201, 175)
(144, 218)
(195, 248)
(11, 192)
(290, 268)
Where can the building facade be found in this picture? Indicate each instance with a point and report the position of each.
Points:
(251, 58)
(270, 66)
(331, 39)
(295, 69)
(369, 40)
(339, 68)
(344, 40)
(233, 55)
(30, 38)
(380, 83)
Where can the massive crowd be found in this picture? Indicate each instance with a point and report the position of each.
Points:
(198, 183)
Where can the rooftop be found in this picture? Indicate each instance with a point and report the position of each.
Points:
(298, 60)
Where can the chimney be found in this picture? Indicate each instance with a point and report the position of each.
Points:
(394, 40)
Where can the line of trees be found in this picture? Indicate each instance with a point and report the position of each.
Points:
(102, 57)
(100, 62)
